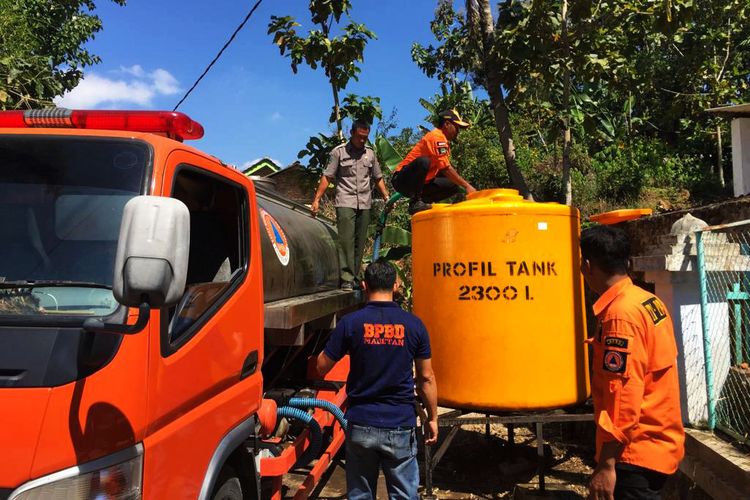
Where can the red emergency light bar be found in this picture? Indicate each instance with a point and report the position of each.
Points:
(176, 125)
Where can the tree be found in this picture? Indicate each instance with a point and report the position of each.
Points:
(468, 48)
(42, 51)
(565, 56)
(495, 76)
(450, 61)
(709, 63)
(614, 80)
(337, 55)
(318, 147)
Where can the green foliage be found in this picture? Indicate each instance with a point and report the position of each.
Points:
(631, 78)
(337, 55)
(387, 155)
(318, 147)
(359, 108)
(394, 235)
(447, 61)
(318, 151)
(623, 170)
(476, 154)
(462, 99)
(42, 49)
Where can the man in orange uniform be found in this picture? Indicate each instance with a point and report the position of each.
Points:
(639, 434)
(426, 174)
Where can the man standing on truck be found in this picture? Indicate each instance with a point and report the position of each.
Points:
(350, 167)
(639, 434)
(385, 344)
(426, 174)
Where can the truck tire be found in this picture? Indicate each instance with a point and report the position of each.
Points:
(228, 486)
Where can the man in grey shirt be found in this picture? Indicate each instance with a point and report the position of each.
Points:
(350, 168)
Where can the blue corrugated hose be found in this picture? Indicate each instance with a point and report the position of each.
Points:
(316, 436)
(319, 403)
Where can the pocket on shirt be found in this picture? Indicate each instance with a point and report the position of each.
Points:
(346, 168)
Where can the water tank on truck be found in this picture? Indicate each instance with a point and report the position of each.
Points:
(299, 251)
(497, 283)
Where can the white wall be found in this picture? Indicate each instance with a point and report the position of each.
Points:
(741, 155)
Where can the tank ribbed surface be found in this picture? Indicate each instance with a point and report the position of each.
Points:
(497, 283)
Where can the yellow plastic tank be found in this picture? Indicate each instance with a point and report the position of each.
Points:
(497, 282)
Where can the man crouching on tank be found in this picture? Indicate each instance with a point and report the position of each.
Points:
(639, 435)
(385, 344)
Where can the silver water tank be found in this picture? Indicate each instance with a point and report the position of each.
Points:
(299, 251)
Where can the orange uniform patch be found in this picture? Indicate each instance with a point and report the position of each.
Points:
(377, 334)
(634, 385)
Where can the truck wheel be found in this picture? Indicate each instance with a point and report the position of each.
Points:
(228, 486)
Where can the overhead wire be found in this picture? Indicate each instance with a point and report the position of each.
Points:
(208, 68)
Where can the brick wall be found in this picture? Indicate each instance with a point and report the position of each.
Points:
(643, 232)
(295, 183)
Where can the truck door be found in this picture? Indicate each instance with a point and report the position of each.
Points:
(206, 364)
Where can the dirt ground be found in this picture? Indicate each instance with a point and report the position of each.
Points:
(479, 467)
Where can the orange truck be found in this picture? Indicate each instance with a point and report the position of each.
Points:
(158, 311)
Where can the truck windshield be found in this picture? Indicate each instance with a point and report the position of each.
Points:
(61, 203)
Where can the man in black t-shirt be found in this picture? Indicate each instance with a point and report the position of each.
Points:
(385, 344)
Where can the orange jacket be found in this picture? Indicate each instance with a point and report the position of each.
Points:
(634, 383)
(433, 145)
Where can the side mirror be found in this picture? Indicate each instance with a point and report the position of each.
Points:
(152, 252)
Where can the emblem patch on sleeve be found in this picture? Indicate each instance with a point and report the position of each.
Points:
(655, 310)
(615, 361)
(616, 342)
(442, 151)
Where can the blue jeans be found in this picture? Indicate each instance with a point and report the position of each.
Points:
(370, 448)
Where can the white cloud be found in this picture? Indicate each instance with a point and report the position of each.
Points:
(136, 70)
(164, 82)
(276, 116)
(134, 86)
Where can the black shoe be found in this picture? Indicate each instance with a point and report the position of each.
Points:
(347, 286)
(418, 206)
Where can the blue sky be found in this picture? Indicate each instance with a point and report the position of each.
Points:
(250, 103)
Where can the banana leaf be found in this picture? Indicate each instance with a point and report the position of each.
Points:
(393, 235)
(395, 253)
(386, 152)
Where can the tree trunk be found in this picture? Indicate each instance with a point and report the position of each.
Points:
(336, 109)
(567, 187)
(493, 86)
(332, 79)
(567, 184)
(719, 155)
(502, 123)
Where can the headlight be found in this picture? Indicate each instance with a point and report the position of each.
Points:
(115, 477)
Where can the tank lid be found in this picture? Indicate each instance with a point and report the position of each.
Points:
(622, 215)
(495, 195)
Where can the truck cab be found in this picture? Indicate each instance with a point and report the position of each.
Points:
(151, 298)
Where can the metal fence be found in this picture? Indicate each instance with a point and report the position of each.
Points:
(723, 255)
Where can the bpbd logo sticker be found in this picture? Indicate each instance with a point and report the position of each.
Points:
(276, 236)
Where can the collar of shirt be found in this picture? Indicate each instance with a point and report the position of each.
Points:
(608, 296)
(439, 135)
(381, 303)
(352, 150)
